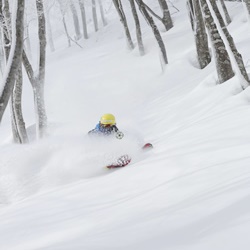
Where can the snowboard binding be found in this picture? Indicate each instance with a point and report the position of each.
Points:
(123, 161)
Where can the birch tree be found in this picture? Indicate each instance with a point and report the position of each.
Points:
(222, 60)
(191, 12)
(247, 2)
(27, 35)
(1, 40)
(166, 20)
(38, 80)
(94, 14)
(48, 25)
(138, 28)
(104, 21)
(63, 12)
(6, 28)
(155, 30)
(39, 86)
(76, 21)
(14, 60)
(1, 51)
(17, 122)
(200, 34)
(119, 8)
(84, 22)
(226, 14)
(236, 54)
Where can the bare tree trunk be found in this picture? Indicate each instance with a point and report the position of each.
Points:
(102, 13)
(94, 15)
(223, 63)
(237, 55)
(166, 20)
(28, 67)
(201, 40)
(138, 28)
(155, 30)
(123, 20)
(38, 86)
(6, 28)
(1, 53)
(14, 60)
(191, 12)
(247, 2)
(15, 135)
(3, 38)
(6, 23)
(227, 17)
(27, 36)
(50, 35)
(66, 31)
(76, 21)
(19, 129)
(7, 17)
(38, 94)
(17, 121)
(65, 25)
(84, 22)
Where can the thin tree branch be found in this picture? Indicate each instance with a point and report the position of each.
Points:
(152, 12)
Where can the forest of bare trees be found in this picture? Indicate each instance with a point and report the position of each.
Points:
(208, 20)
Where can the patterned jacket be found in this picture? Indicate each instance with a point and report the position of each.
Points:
(101, 130)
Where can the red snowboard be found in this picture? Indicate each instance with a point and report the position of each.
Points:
(125, 159)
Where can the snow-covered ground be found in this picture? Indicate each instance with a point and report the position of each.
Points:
(191, 192)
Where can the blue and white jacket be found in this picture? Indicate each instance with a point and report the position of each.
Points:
(101, 130)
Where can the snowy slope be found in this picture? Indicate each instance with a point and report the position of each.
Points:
(190, 192)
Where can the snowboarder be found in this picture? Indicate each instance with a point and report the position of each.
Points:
(106, 127)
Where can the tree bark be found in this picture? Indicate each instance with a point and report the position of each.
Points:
(2, 43)
(104, 21)
(28, 67)
(123, 20)
(237, 55)
(94, 15)
(152, 12)
(50, 35)
(84, 22)
(38, 85)
(64, 23)
(14, 60)
(6, 24)
(27, 36)
(76, 21)
(222, 60)
(17, 121)
(200, 34)
(155, 30)
(1, 53)
(138, 28)
(191, 12)
(6, 28)
(166, 20)
(247, 2)
(19, 129)
(227, 16)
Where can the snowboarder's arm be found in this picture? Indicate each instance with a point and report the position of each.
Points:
(96, 130)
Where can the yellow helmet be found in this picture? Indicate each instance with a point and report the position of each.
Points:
(107, 119)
